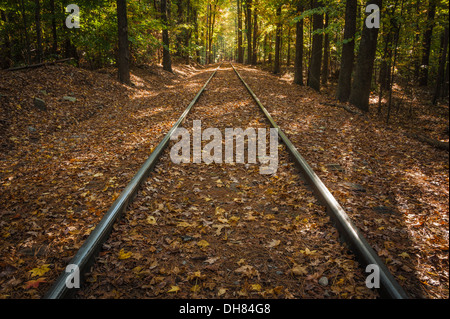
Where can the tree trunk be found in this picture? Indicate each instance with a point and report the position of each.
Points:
(6, 59)
(249, 31)
(239, 13)
(362, 79)
(276, 68)
(123, 60)
(298, 66)
(288, 61)
(37, 16)
(326, 54)
(316, 51)
(427, 37)
(167, 61)
(54, 33)
(441, 72)
(255, 33)
(25, 28)
(348, 52)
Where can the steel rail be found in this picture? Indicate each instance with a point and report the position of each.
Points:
(84, 258)
(389, 287)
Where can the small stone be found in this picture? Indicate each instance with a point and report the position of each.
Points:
(69, 98)
(323, 281)
(31, 129)
(40, 104)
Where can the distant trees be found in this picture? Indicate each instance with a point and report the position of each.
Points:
(331, 41)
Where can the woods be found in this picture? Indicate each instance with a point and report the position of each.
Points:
(90, 93)
(331, 40)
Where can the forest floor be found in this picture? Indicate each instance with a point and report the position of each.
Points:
(61, 168)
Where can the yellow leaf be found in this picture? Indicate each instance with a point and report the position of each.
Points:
(234, 219)
(183, 224)
(174, 289)
(256, 287)
(39, 271)
(404, 255)
(151, 220)
(124, 255)
(202, 243)
(221, 291)
(219, 210)
(307, 251)
(195, 288)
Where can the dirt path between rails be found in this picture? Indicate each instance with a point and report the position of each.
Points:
(201, 230)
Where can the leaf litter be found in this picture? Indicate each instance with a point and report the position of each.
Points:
(224, 230)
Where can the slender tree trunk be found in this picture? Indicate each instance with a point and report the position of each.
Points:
(397, 26)
(298, 66)
(27, 37)
(288, 62)
(255, 32)
(362, 79)
(167, 61)
(316, 54)
(326, 54)
(427, 37)
(348, 52)
(248, 17)
(446, 79)
(37, 16)
(441, 72)
(239, 13)
(276, 69)
(124, 54)
(54, 34)
(6, 58)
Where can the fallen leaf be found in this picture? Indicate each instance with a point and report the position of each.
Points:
(298, 270)
(34, 283)
(203, 243)
(274, 243)
(174, 289)
(124, 255)
(256, 287)
(221, 292)
(39, 271)
(151, 220)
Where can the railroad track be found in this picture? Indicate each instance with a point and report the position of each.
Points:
(225, 217)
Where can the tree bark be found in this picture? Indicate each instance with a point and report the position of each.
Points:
(326, 54)
(298, 66)
(248, 17)
(37, 16)
(167, 61)
(239, 14)
(362, 79)
(6, 58)
(316, 51)
(276, 68)
(123, 60)
(427, 37)
(54, 33)
(255, 33)
(441, 73)
(348, 52)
